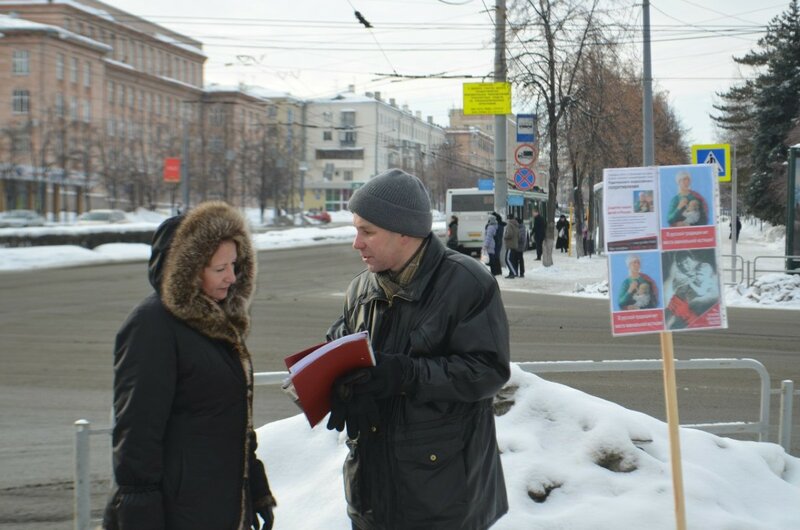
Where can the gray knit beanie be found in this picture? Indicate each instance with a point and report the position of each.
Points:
(394, 201)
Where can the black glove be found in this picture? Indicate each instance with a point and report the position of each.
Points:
(386, 379)
(263, 509)
(341, 396)
(362, 416)
(266, 516)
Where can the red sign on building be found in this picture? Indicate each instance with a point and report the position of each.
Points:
(172, 170)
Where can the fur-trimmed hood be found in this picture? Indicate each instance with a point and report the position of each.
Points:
(182, 246)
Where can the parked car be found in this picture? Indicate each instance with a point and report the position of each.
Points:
(94, 217)
(319, 215)
(20, 218)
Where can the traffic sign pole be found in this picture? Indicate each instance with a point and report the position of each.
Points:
(734, 231)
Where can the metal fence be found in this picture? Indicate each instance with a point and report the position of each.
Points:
(760, 428)
(757, 269)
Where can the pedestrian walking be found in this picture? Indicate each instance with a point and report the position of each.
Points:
(539, 233)
(562, 231)
(490, 248)
(452, 233)
(510, 241)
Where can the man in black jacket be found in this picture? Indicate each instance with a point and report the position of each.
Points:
(420, 425)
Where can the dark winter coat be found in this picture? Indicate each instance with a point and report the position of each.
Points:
(434, 462)
(452, 235)
(562, 242)
(539, 229)
(184, 445)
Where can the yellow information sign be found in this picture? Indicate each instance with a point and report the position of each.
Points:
(487, 98)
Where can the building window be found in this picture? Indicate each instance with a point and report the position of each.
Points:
(131, 97)
(60, 66)
(73, 109)
(327, 135)
(348, 118)
(121, 93)
(158, 104)
(347, 138)
(60, 105)
(87, 74)
(21, 143)
(21, 102)
(87, 112)
(20, 64)
(111, 127)
(73, 70)
(347, 174)
(111, 92)
(216, 117)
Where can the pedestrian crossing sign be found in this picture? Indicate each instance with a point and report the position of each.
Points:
(717, 155)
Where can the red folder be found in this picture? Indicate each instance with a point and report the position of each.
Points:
(313, 371)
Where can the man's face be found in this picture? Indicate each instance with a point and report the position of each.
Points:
(380, 249)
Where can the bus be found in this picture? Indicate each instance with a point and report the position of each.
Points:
(472, 206)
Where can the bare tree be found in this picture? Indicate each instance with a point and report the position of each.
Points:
(550, 39)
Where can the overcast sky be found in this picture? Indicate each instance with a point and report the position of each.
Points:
(314, 48)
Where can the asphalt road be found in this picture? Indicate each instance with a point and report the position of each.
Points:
(58, 326)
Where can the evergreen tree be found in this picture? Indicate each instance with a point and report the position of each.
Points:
(761, 112)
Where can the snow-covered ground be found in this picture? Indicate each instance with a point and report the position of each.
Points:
(571, 460)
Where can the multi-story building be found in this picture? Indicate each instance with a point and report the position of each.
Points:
(351, 138)
(75, 73)
(94, 99)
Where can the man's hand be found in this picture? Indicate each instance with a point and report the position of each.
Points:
(353, 399)
(386, 379)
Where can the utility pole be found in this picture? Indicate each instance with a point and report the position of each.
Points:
(500, 184)
(185, 188)
(303, 163)
(647, 85)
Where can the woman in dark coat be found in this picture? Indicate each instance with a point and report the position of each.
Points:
(452, 233)
(184, 444)
(562, 234)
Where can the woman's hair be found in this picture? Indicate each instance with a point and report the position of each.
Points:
(682, 175)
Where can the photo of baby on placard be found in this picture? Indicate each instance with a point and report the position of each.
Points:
(635, 281)
(687, 198)
(643, 201)
(691, 289)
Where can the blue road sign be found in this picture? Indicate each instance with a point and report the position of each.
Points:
(717, 155)
(524, 178)
(485, 184)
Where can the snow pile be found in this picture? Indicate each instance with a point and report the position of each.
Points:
(570, 460)
(596, 290)
(775, 289)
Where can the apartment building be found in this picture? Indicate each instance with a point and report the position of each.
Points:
(91, 96)
(352, 137)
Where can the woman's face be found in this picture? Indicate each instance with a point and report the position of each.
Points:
(684, 184)
(634, 267)
(219, 274)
